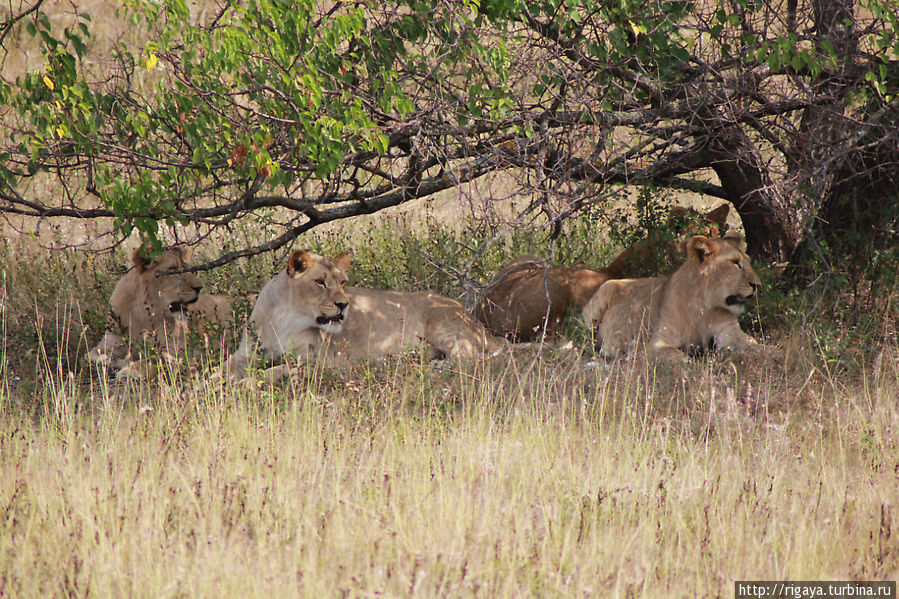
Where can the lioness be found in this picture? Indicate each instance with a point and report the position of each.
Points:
(526, 296)
(160, 308)
(307, 311)
(695, 308)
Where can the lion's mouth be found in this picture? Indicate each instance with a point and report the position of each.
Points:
(735, 300)
(326, 320)
(181, 307)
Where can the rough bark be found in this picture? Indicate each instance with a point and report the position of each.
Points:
(772, 227)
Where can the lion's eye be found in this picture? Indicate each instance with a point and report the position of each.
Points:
(738, 263)
(320, 282)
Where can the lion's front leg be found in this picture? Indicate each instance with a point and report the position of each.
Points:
(660, 349)
(728, 334)
(235, 367)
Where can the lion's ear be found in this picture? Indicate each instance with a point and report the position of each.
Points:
(718, 216)
(141, 260)
(736, 240)
(343, 261)
(299, 262)
(700, 247)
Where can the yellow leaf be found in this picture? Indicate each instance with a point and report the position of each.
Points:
(48, 82)
(638, 29)
(61, 132)
(151, 61)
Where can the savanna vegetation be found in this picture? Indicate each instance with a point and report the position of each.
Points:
(539, 473)
(563, 130)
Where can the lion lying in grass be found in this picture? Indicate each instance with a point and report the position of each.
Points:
(306, 311)
(159, 308)
(526, 296)
(694, 309)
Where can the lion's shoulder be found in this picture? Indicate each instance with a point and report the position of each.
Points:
(125, 294)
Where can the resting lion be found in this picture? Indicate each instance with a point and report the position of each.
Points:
(159, 308)
(525, 294)
(695, 308)
(515, 303)
(306, 311)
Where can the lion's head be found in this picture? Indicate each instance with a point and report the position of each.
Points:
(316, 288)
(145, 300)
(723, 272)
(168, 292)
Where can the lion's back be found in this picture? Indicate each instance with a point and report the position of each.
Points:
(523, 298)
(382, 323)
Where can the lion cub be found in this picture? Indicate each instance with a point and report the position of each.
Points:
(695, 308)
(306, 310)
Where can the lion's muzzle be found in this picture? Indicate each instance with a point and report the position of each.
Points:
(332, 321)
(325, 320)
(181, 306)
(740, 299)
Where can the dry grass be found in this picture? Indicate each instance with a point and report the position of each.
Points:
(526, 477)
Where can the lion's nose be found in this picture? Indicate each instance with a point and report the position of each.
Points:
(341, 305)
(755, 287)
(196, 288)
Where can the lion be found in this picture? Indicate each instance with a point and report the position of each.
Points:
(693, 309)
(159, 308)
(307, 310)
(527, 299)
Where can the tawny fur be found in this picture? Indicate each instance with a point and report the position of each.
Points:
(527, 299)
(526, 294)
(695, 308)
(161, 309)
(307, 311)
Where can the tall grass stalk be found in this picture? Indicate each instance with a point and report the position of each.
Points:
(528, 476)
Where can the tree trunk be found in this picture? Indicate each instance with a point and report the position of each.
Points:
(773, 229)
(775, 213)
(814, 160)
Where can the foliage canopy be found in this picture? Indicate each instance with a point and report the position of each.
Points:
(328, 110)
